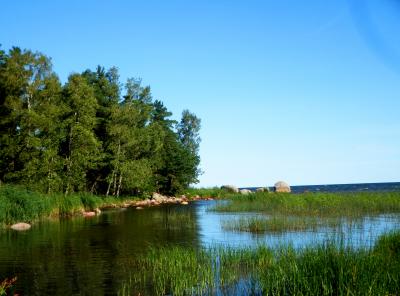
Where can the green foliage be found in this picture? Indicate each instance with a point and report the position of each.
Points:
(214, 192)
(315, 204)
(86, 135)
(327, 269)
(280, 224)
(18, 204)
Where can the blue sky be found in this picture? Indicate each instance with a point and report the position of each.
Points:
(303, 91)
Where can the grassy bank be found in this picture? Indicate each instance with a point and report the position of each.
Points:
(327, 269)
(315, 204)
(21, 205)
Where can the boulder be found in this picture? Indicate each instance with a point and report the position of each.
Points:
(139, 208)
(89, 214)
(159, 197)
(230, 188)
(245, 191)
(20, 226)
(184, 203)
(262, 189)
(281, 187)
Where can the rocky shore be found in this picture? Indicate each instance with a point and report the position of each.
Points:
(156, 200)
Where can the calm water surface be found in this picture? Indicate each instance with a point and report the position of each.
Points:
(94, 256)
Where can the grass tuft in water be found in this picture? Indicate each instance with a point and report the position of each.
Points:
(326, 269)
(280, 224)
(315, 204)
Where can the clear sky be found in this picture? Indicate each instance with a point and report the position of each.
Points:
(303, 91)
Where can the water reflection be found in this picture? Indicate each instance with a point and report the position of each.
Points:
(358, 233)
(94, 256)
(90, 256)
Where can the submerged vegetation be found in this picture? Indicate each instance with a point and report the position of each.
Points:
(352, 204)
(327, 269)
(91, 134)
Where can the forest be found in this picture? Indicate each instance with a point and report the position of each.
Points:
(92, 133)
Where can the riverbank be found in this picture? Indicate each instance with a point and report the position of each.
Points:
(21, 205)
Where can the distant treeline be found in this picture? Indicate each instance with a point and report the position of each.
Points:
(91, 134)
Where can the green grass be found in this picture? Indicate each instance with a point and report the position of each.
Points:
(21, 205)
(327, 269)
(214, 192)
(280, 224)
(315, 204)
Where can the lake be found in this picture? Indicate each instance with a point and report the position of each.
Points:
(94, 256)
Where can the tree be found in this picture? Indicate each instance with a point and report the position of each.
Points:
(30, 104)
(85, 136)
(107, 92)
(81, 149)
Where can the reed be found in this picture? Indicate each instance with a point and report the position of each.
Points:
(18, 204)
(315, 204)
(280, 224)
(214, 192)
(326, 269)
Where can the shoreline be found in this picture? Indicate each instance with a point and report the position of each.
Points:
(87, 206)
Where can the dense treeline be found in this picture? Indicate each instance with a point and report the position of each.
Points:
(91, 134)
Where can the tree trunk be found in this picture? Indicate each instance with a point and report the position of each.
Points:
(119, 184)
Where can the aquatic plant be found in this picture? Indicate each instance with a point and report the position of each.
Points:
(326, 269)
(261, 224)
(19, 204)
(315, 204)
(6, 286)
(214, 192)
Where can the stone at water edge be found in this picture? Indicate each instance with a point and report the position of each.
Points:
(158, 197)
(282, 187)
(262, 189)
(184, 203)
(245, 191)
(230, 188)
(139, 208)
(20, 226)
(89, 214)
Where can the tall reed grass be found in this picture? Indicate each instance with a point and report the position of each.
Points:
(315, 204)
(280, 224)
(18, 204)
(326, 269)
(214, 192)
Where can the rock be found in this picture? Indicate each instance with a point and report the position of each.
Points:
(20, 226)
(97, 211)
(139, 208)
(281, 187)
(184, 203)
(89, 214)
(245, 191)
(230, 188)
(159, 197)
(262, 189)
(145, 202)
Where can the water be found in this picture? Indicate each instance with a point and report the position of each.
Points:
(357, 187)
(94, 256)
